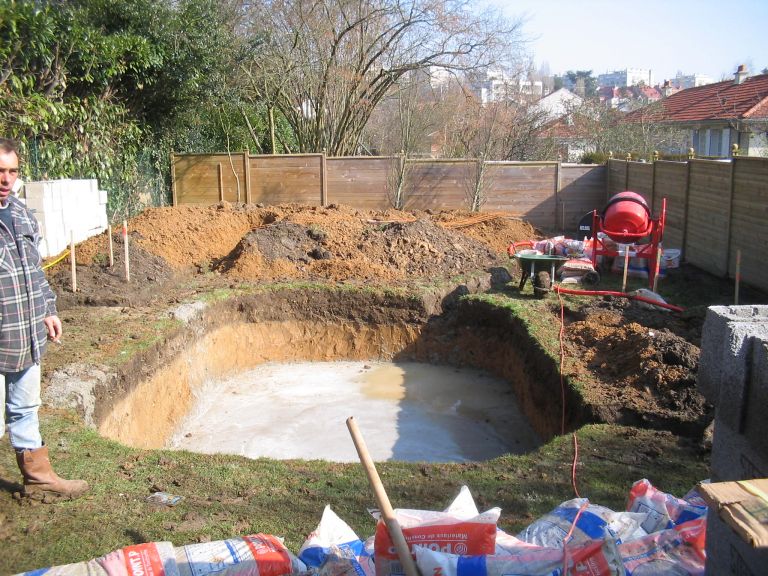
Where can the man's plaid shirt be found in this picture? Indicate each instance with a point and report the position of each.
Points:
(25, 296)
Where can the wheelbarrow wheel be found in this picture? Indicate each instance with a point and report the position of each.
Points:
(542, 284)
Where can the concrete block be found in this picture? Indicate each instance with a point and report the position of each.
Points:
(727, 553)
(724, 363)
(103, 197)
(755, 424)
(734, 457)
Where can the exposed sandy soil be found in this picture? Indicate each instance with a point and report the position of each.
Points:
(639, 364)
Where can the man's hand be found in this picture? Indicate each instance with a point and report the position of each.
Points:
(53, 324)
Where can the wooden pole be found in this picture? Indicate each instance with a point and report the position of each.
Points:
(111, 250)
(323, 179)
(626, 267)
(125, 244)
(72, 259)
(738, 278)
(221, 182)
(393, 526)
(246, 177)
(656, 268)
(173, 180)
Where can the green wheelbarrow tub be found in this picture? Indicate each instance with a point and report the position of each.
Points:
(529, 263)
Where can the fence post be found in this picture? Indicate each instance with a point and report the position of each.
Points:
(221, 182)
(685, 209)
(608, 176)
(729, 217)
(558, 202)
(626, 171)
(247, 176)
(653, 184)
(173, 180)
(323, 180)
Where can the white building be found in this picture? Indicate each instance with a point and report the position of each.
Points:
(559, 103)
(626, 77)
(691, 80)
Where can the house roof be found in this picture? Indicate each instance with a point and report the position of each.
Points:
(720, 101)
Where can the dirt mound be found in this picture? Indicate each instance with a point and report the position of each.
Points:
(285, 242)
(99, 284)
(645, 375)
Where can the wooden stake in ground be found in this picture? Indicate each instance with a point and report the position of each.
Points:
(393, 526)
(738, 278)
(111, 251)
(72, 259)
(626, 267)
(125, 244)
(656, 268)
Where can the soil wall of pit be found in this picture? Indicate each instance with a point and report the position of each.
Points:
(142, 405)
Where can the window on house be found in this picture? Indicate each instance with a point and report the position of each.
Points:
(696, 145)
(715, 142)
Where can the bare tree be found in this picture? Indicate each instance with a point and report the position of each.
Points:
(326, 64)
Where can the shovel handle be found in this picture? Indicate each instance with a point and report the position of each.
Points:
(387, 513)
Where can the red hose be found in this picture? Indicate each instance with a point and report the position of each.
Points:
(617, 294)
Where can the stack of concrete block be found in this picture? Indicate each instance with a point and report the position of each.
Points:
(733, 376)
(66, 207)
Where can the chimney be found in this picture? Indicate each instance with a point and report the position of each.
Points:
(667, 88)
(740, 75)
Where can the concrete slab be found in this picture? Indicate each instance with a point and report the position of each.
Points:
(405, 411)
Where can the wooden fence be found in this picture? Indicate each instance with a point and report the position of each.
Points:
(715, 209)
(551, 196)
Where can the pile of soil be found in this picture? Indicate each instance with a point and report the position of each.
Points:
(286, 243)
(638, 363)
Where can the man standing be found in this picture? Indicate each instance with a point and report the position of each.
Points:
(27, 318)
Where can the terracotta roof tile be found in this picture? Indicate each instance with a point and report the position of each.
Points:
(719, 101)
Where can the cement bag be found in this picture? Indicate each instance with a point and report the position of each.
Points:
(594, 523)
(255, 555)
(508, 544)
(89, 568)
(456, 530)
(591, 558)
(149, 559)
(674, 552)
(662, 510)
(334, 548)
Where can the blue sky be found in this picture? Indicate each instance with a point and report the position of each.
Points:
(705, 37)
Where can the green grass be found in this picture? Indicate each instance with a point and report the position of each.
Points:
(226, 496)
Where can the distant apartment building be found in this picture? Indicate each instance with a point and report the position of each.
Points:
(497, 85)
(691, 80)
(626, 77)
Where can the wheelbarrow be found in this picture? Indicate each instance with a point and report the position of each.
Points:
(540, 268)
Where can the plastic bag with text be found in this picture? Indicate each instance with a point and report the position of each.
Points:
(679, 550)
(255, 555)
(594, 523)
(590, 558)
(333, 548)
(459, 529)
(663, 510)
(149, 559)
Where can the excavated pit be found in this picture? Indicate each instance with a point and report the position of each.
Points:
(144, 404)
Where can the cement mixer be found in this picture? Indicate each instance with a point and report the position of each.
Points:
(626, 219)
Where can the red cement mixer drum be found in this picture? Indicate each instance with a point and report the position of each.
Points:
(626, 218)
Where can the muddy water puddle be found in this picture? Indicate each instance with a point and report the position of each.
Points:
(405, 411)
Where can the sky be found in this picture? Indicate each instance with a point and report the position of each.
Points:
(710, 37)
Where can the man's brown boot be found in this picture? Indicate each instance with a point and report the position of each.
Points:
(40, 480)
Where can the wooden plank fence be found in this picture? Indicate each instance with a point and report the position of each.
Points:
(549, 195)
(714, 208)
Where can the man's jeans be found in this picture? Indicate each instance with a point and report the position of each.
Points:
(21, 396)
